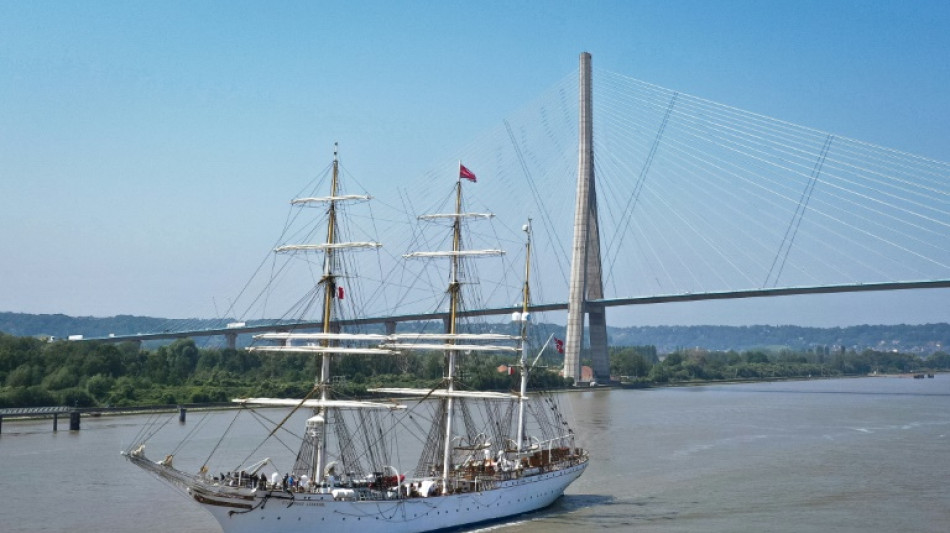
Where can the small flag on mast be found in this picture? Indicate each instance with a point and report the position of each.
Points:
(339, 292)
(466, 173)
(558, 345)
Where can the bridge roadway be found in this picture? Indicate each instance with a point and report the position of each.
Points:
(35, 412)
(390, 321)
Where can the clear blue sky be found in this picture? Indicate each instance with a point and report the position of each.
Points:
(148, 149)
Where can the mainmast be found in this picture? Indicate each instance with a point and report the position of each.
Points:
(451, 338)
(454, 290)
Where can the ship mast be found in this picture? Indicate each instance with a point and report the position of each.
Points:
(329, 339)
(450, 345)
(329, 290)
(525, 300)
(454, 289)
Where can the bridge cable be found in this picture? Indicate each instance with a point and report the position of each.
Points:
(796, 220)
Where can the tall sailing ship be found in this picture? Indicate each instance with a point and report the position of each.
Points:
(482, 456)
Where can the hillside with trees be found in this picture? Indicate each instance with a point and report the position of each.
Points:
(921, 339)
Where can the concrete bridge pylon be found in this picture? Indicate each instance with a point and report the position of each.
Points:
(586, 274)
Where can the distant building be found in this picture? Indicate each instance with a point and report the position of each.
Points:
(587, 375)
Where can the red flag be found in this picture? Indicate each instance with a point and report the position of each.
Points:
(558, 345)
(339, 292)
(511, 370)
(466, 173)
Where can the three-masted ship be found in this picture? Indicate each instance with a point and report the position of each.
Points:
(482, 456)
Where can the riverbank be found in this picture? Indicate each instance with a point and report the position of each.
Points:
(96, 412)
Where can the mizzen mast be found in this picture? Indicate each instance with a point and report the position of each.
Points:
(524, 317)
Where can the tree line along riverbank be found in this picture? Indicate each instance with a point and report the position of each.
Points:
(34, 372)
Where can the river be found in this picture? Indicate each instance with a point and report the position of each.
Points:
(868, 454)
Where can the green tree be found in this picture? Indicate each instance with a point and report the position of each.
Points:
(756, 356)
(76, 397)
(25, 375)
(34, 396)
(660, 373)
(123, 392)
(630, 361)
(180, 359)
(673, 359)
(99, 386)
(939, 360)
(62, 378)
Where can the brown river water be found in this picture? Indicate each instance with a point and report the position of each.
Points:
(868, 454)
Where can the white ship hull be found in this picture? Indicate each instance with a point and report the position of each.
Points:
(303, 512)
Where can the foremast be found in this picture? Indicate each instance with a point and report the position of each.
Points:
(324, 344)
(329, 293)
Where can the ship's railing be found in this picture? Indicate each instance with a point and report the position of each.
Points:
(481, 476)
(178, 479)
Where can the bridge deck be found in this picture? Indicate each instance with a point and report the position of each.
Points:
(607, 302)
(34, 411)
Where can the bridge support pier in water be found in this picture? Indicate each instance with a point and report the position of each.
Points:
(586, 279)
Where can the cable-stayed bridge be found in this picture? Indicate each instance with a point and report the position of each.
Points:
(641, 194)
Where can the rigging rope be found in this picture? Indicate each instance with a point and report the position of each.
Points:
(204, 465)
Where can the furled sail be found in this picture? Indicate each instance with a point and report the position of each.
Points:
(316, 403)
